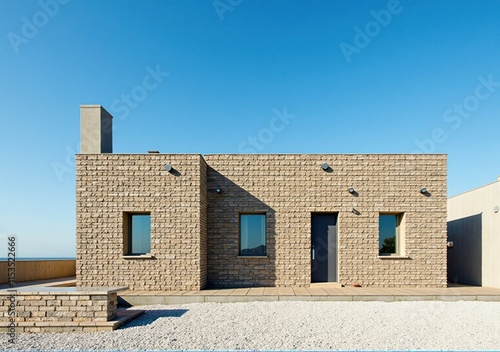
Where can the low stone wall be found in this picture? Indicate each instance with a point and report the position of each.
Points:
(57, 308)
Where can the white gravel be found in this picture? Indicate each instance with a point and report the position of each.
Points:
(291, 326)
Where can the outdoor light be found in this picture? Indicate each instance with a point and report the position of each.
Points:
(218, 190)
(423, 190)
(355, 211)
(168, 167)
(351, 190)
(325, 166)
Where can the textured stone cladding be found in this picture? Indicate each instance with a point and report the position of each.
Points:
(109, 185)
(37, 311)
(289, 188)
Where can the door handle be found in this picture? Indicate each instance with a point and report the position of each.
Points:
(313, 253)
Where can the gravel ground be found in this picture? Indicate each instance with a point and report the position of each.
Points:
(291, 326)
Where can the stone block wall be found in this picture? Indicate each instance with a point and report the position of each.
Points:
(203, 223)
(36, 311)
(289, 188)
(110, 185)
(195, 229)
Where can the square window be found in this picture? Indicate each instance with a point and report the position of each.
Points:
(253, 235)
(137, 233)
(390, 234)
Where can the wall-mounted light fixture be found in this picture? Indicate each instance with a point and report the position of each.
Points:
(325, 166)
(169, 167)
(496, 209)
(355, 211)
(218, 190)
(353, 192)
(424, 190)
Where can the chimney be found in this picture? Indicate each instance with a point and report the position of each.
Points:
(96, 125)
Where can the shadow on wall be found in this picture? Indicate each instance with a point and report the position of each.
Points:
(226, 267)
(465, 257)
(150, 316)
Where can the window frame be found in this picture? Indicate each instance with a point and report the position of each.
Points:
(240, 215)
(399, 235)
(127, 234)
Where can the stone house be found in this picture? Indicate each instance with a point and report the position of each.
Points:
(158, 221)
(474, 236)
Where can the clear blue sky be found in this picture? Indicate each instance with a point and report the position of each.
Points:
(346, 76)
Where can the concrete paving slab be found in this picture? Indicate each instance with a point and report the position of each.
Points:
(224, 292)
(189, 293)
(270, 291)
(285, 291)
(149, 293)
(351, 291)
(256, 291)
(162, 293)
(235, 299)
(240, 292)
(206, 292)
(182, 299)
(316, 291)
(301, 291)
(134, 293)
(331, 291)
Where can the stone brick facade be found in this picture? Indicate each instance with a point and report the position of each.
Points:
(195, 212)
(108, 186)
(289, 188)
(195, 233)
(57, 310)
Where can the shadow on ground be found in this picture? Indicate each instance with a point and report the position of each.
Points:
(150, 316)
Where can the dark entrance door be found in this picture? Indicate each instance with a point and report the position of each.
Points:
(324, 247)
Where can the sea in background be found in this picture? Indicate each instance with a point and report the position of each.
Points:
(3, 259)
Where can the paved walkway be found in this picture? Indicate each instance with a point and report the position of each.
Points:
(316, 292)
(313, 293)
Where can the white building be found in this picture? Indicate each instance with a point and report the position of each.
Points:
(474, 229)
